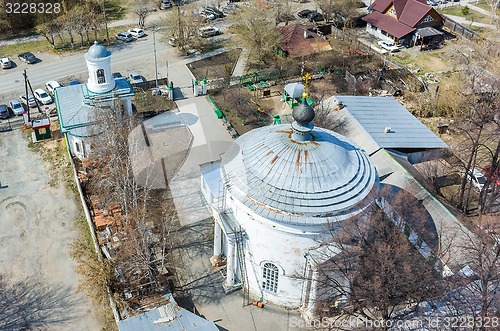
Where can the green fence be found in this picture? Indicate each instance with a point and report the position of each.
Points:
(220, 114)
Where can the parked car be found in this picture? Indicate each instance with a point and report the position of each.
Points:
(165, 4)
(4, 111)
(30, 101)
(42, 96)
(209, 31)
(137, 32)
(387, 45)
(304, 13)
(477, 178)
(214, 11)
(117, 75)
(16, 106)
(51, 86)
(432, 3)
(124, 36)
(172, 41)
(27, 57)
(136, 78)
(208, 16)
(6, 63)
(315, 17)
(230, 8)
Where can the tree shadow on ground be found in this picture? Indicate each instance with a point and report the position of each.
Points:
(197, 280)
(29, 304)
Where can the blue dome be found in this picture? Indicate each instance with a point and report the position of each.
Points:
(97, 51)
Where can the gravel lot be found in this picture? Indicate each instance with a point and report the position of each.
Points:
(36, 229)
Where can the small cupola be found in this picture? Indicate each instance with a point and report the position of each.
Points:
(303, 116)
(98, 60)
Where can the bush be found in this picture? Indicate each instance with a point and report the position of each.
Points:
(465, 10)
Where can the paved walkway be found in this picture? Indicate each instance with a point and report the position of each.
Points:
(239, 68)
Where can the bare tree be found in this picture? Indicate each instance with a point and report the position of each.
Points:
(80, 24)
(71, 21)
(340, 12)
(142, 9)
(182, 26)
(46, 29)
(284, 11)
(141, 260)
(474, 293)
(255, 31)
(376, 273)
(476, 112)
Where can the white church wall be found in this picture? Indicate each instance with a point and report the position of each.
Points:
(285, 250)
(78, 146)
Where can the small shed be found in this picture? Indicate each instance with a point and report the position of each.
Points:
(293, 93)
(41, 129)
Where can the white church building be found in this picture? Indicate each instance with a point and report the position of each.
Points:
(274, 195)
(76, 103)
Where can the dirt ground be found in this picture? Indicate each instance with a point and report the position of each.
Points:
(217, 66)
(36, 232)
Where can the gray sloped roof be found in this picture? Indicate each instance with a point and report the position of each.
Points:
(167, 317)
(298, 183)
(294, 90)
(75, 104)
(374, 114)
(73, 113)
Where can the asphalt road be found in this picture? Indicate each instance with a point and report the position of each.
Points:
(53, 67)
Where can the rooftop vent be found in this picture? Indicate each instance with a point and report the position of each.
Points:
(387, 129)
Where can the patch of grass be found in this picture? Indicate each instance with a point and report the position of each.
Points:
(472, 16)
(485, 6)
(34, 47)
(95, 275)
(114, 10)
(42, 45)
(402, 58)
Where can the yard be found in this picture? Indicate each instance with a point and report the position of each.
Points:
(469, 15)
(217, 66)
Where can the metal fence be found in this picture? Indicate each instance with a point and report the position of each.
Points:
(150, 84)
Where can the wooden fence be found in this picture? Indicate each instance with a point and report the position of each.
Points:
(459, 28)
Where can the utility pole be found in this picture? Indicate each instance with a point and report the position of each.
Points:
(154, 48)
(26, 93)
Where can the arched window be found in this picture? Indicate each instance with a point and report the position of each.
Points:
(270, 277)
(101, 79)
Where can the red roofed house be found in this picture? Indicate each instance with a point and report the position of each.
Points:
(405, 22)
(298, 41)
